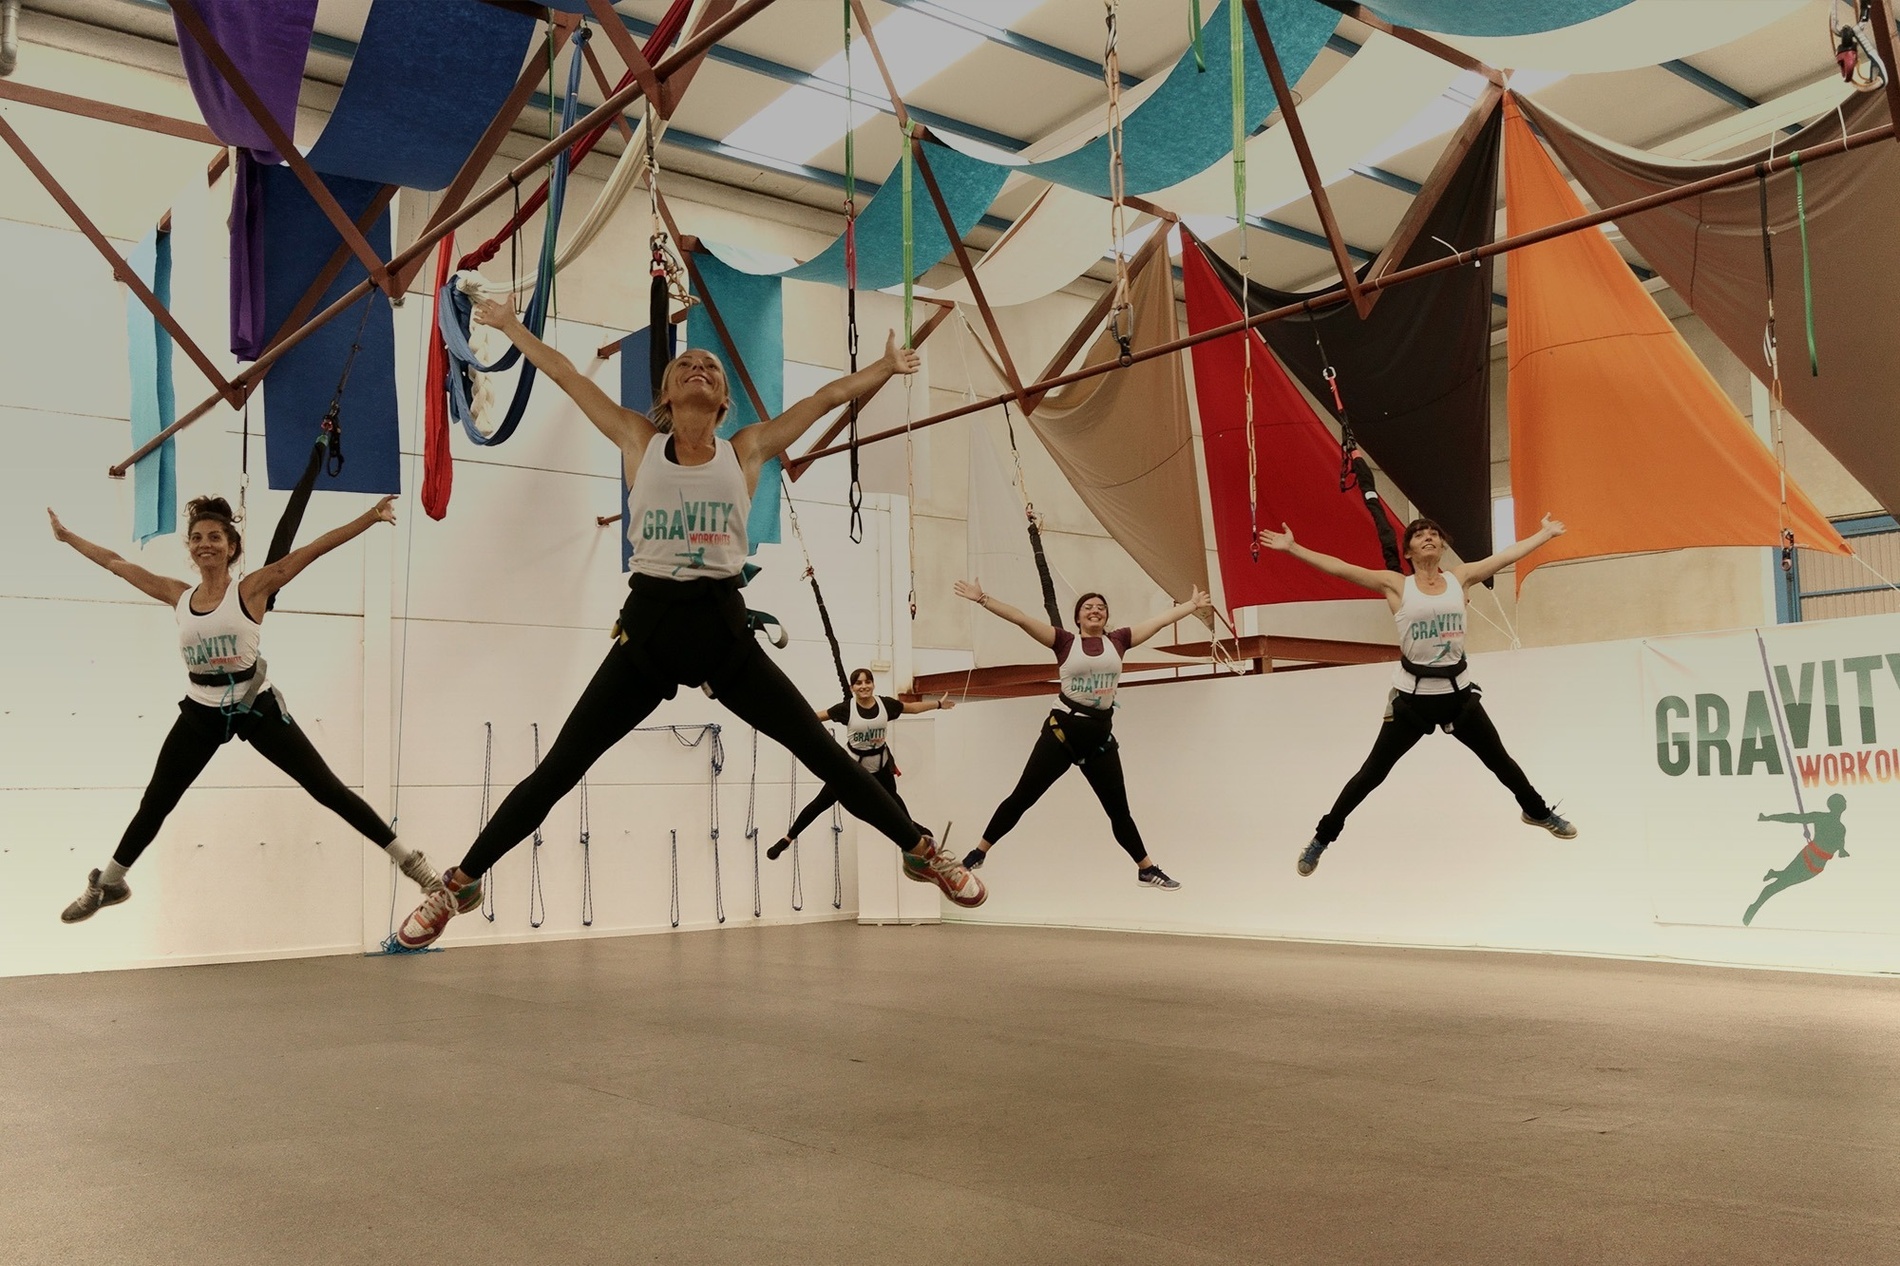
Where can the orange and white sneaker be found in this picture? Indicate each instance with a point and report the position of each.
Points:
(458, 895)
(933, 866)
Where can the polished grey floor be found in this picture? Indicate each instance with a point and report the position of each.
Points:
(949, 1094)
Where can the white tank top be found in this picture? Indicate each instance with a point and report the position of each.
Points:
(1090, 679)
(223, 641)
(1431, 631)
(868, 737)
(688, 522)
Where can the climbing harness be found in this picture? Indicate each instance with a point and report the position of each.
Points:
(1850, 24)
(1121, 309)
(537, 902)
(456, 305)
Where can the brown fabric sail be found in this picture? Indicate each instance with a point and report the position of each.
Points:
(1710, 250)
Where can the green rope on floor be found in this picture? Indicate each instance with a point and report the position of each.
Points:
(1807, 265)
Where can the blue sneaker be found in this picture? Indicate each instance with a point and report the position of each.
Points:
(1309, 858)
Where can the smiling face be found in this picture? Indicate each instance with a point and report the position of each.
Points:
(1425, 543)
(863, 687)
(696, 382)
(211, 546)
(1091, 615)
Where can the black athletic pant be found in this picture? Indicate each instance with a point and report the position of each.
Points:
(886, 777)
(684, 633)
(1085, 741)
(201, 730)
(1413, 717)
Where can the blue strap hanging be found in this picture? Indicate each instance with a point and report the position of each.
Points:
(457, 308)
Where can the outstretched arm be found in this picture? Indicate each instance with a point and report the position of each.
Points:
(927, 705)
(1798, 819)
(1041, 630)
(1198, 601)
(265, 581)
(760, 443)
(629, 429)
(1389, 583)
(163, 588)
(1477, 573)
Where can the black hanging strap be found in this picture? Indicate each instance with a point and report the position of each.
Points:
(1044, 576)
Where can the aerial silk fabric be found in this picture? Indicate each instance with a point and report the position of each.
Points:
(268, 41)
(1616, 427)
(1709, 250)
(1491, 17)
(247, 257)
(1187, 125)
(754, 313)
(298, 242)
(1298, 464)
(438, 462)
(1637, 34)
(999, 558)
(154, 405)
(969, 185)
(1126, 442)
(636, 393)
(422, 88)
(1062, 235)
(1340, 127)
(1415, 376)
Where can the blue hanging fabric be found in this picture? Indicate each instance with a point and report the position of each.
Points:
(754, 309)
(456, 307)
(154, 407)
(1491, 17)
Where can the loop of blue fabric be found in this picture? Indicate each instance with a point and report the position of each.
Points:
(456, 308)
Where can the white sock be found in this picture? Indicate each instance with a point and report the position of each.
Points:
(397, 853)
(112, 873)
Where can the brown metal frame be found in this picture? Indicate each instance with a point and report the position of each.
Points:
(105, 112)
(795, 466)
(630, 54)
(1290, 120)
(1417, 39)
(685, 57)
(1425, 201)
(1883, 40)
(1090, 325)
(1734, 176)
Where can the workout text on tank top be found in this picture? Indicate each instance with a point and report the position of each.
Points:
(224, 640)
(688, 522)
(1091, 667)
(867, 736)
(1431, 631)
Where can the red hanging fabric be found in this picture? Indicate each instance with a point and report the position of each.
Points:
(1299, 462)
(438, 467)
(663, 35)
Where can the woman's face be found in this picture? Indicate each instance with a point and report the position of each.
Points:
(696, 378)
(1092, 617)
(1426, 546)
(864, 689)
(210, 546)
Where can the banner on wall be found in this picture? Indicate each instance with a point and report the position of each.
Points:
(1772, 794)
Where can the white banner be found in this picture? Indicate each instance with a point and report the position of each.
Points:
(1773, 789)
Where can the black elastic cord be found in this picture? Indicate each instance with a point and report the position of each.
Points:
(1044, 576)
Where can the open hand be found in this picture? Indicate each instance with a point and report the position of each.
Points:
(1553, 527)
(902, 360)
(973, 592)
(385, 510)
(495, 313)
(1200, 600)
(1281, 540)
(946, 703)
(60, 533)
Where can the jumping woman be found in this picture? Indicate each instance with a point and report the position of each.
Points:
(866, 717)
(684, 622)
(219, 625)
(1080, 731)
(1431, 687)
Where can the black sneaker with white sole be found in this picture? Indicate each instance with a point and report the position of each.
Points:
(1556, 824)
(95, 898)
(973, 859)
(1155, 877)
(1309, 857)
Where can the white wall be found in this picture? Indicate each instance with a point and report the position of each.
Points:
(1228, 777)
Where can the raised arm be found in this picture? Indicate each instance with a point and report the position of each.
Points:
(761, 442)
(925, 705)
(1477, 573)
(1389, 583)
(1041, 630)
(267, 580)
(629, 429)
(1197, 601)
(152, 585)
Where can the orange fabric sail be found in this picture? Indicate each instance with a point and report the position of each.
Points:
(1616, 427)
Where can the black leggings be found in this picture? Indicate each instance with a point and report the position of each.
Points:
(886, 777)
(1412, 718)
(201, 730)
(1050, 758)
(683, 641)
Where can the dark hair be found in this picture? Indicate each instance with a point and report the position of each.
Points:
(865, 673)
(1077, 613)
(218, 510)
(1416, 526)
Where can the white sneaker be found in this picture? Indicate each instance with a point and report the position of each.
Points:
(934, 866)
(425, 924)
(418, 868)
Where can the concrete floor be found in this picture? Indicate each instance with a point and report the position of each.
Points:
(835, 1094)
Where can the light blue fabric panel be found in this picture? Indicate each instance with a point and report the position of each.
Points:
(754, 311)
(154, 407)
(1490, 17)
(969, 186)
(1188, 124)
(425, 82)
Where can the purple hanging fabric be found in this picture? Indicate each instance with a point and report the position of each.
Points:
(268, 40)
(247, 257)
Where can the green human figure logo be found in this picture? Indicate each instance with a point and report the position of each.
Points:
(1829, 841)
(694, 558)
